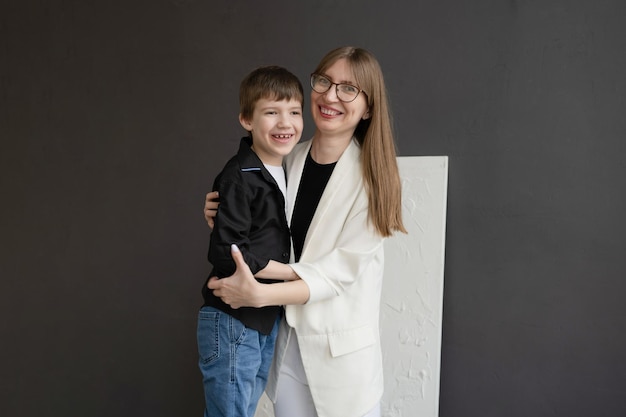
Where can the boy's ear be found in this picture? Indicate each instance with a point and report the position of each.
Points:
(244, 123)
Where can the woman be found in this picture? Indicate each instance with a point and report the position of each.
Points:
(343, 200)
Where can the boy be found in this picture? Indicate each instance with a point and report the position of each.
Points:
(236, 346)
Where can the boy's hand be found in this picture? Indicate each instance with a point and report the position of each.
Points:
(239, 289)
(210, 208)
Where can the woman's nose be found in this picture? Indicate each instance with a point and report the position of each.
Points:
(331, 93)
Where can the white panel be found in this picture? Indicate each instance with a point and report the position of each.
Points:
(412, 299)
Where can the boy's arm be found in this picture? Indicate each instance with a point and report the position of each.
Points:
(232, 226)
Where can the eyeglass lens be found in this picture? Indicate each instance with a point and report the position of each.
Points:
(345, 92)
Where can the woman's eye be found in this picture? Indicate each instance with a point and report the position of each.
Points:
(347, 88)
(323, 82)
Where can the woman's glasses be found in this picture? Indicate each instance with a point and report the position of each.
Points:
(345, 92)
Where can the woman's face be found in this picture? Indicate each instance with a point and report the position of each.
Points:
(333, 116)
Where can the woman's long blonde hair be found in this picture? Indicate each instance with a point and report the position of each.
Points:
(375, 135)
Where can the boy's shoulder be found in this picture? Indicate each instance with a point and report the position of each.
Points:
(232, 168)
(232, 163)
(244, 161)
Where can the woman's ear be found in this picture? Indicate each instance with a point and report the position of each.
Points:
(244, 123)
(367, 115)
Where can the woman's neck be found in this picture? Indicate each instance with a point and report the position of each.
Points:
(328, 149)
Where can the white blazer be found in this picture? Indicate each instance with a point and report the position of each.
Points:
(342, 263)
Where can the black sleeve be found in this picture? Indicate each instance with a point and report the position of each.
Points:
(233, 223)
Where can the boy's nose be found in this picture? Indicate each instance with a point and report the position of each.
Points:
(283, 122)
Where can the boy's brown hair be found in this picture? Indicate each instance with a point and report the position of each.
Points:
(270, 82)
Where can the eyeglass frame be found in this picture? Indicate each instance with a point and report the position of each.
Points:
(313, 75)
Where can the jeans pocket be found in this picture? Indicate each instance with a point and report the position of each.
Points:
(208, 335)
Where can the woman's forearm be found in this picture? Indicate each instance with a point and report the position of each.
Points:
(282, 293)
(277, 270)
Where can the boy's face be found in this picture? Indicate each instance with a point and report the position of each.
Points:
(276, 127)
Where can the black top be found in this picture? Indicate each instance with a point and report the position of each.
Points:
(251, 214)
(312, 184)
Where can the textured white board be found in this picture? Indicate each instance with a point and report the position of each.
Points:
(412, 299)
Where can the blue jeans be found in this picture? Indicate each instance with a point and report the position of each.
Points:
(234, 361)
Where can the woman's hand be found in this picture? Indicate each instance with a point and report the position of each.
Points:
(240, 289)
(210, 207)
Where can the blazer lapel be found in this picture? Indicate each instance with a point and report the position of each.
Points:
(345, 170)
(295, 166)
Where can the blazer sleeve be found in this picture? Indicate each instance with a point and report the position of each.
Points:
(354, 251)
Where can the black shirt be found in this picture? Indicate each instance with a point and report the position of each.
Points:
(252, 215)
(312, 184)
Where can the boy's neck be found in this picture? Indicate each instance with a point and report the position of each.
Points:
(273, 165)
(266, 161)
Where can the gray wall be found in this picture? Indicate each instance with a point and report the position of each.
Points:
(116, 115)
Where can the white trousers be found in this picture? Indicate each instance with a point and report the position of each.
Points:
(293, 394)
